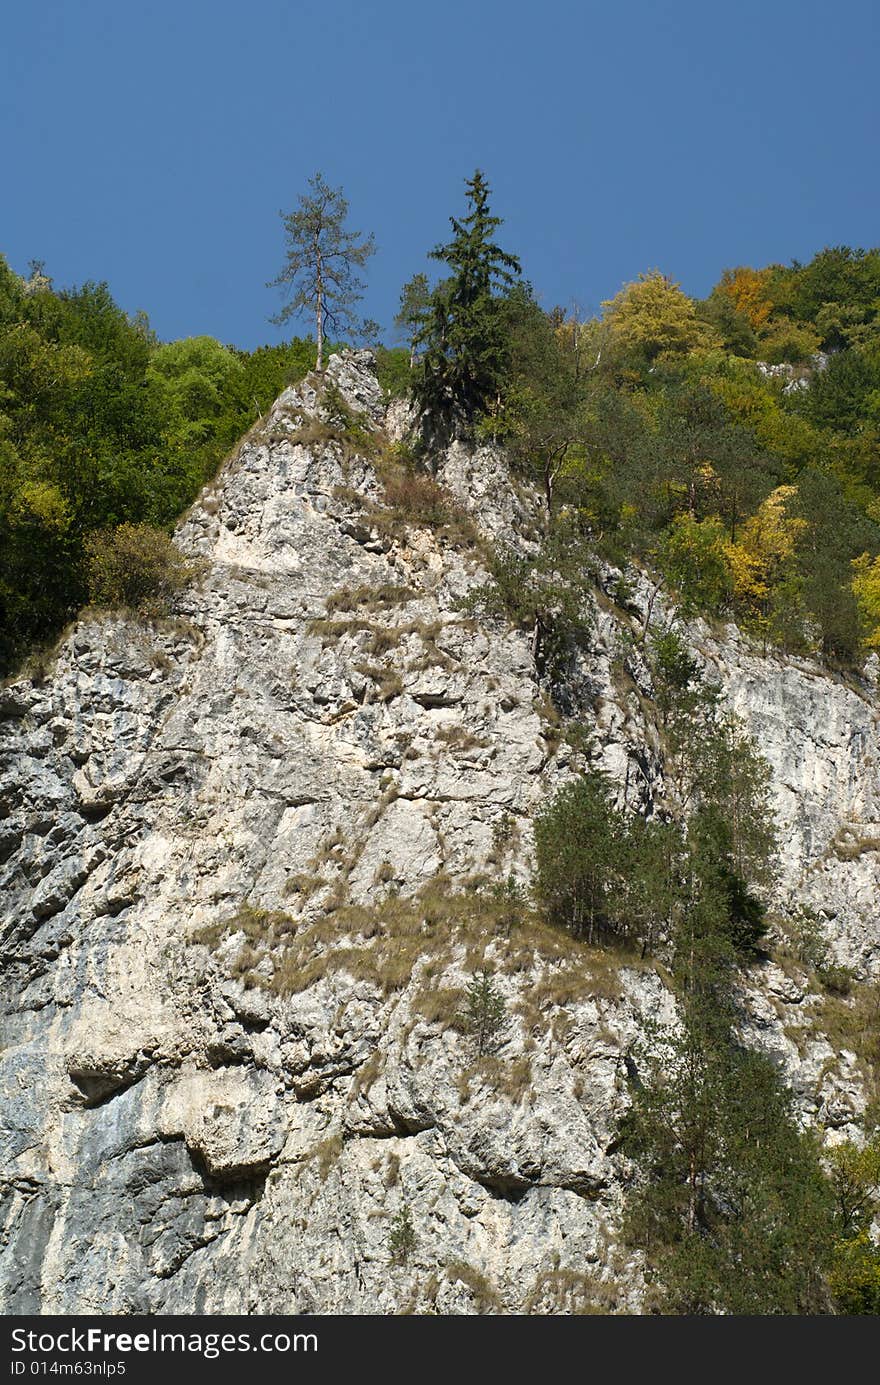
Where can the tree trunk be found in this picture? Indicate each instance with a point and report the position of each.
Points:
(319, 305)
(650, 609)
(548, 489)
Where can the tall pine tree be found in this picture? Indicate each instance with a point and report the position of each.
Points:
(461, 334)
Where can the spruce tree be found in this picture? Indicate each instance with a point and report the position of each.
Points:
(415, 298)
(461, 334)
(483, 1016)
(730, 1208)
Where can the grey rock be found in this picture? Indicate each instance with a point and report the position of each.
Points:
(179, 1133)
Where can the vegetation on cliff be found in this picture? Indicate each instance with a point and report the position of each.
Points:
(100, 426)
(731, 448)
(731, 444)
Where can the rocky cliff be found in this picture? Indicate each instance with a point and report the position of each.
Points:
(252, 855)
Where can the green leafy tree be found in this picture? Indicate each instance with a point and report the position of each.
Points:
(653, 317)
(91, 319)
(393, 371)
(692, 556)
(322, 256)
(194, 377)
(539, 413)
(35, 553)
(461, 336)
(838, 275)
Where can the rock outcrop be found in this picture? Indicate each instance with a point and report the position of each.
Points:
(247, 866)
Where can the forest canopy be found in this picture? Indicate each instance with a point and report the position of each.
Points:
(101, 425)
(731, 445)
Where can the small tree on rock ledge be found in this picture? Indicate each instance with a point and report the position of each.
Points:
(322, 257)
(402, 1241)
(484, 1015)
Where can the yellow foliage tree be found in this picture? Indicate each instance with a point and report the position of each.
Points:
(748, 290)
(755, 405)
(41, 502)
(654, 316)
(761, 556)
(693, 558)
(866, 586)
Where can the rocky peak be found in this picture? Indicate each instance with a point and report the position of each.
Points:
(251, 856)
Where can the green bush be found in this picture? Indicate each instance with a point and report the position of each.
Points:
(137, 567)
(579, 857)
(855, 1276)
(393, 371)
(402, 1240)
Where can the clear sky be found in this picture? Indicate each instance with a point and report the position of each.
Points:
(153, 144)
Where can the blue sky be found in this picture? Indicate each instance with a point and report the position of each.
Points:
(153, 145)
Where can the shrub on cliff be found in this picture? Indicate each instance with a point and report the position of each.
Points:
(484, 1013)
(402, 1240)
(135, 566)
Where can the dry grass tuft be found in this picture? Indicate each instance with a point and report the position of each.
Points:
(569, 1292)
(484, 1296)
(381, 598)
(849, 844)
(459, 738)
(326, 1155)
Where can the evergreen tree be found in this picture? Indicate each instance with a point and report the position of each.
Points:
(483, 1016)
(732, 1209)
(461, 333)
(402, 1240)
(415, 296)
(579, 857)
(322, 256)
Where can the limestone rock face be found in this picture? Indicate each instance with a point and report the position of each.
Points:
(821, 736)
(220, 1078)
